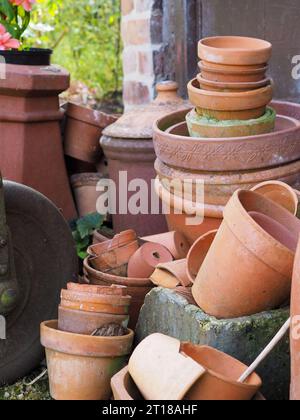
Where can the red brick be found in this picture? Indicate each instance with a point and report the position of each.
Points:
(127, 6)
(135, 93)
(143, 5)
(130, 61)
(145, 60)
(136, 32)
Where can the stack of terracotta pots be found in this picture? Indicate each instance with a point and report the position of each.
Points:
(89, 343)
(132, 262)
(201, 373)
(225, 158)
(232, 92)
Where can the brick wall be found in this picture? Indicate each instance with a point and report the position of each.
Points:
(146, 37)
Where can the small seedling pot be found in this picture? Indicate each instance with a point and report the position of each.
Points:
(175, 242)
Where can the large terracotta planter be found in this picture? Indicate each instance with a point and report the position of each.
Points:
(200, 126)
(235, 50)
(248, 268)
(128, 146)
(229, 101)
(85, 192)
(229, 154)
(30, 141)
(80, 367)
(295, 339)
(137, 288)
(83, 130)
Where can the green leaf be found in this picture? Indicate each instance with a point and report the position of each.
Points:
(7, 9)
(89, 223)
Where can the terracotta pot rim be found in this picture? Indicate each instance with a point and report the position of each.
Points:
(85, 179)
(224, 378)
(92, 314)
(90, 116)
(51, 327)
(235, 85)
(91, 298)
(116, 279)
(202, 66)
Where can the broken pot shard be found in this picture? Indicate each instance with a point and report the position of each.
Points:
(170, 275)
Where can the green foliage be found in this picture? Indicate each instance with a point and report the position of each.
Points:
(85, 36)
(84, 230)
(14, 18)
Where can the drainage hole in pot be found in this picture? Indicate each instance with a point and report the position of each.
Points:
(156, 255)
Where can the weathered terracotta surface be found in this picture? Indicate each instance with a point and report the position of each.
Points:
(231, 75)
(113, 290)
(229, 101)
(294, 335)
(263, 262)
(200, 126)
(245, 114)
(230, 154)
(279, 192)
(171, 275)
(175, 242)
(220, 380)
(84, 186)
(80, 367)
(128, 146)
(144, 261)
(137, 288)
(30, 142)
(118, 241)
(160, 371)
(83, 130)
(235, 50)
(231, 86)
(90, 302)
(198, 253)
(82, 322)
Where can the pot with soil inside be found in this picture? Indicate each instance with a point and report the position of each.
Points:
(80, 367)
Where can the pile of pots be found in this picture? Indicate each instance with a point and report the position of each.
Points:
(224, 164)
(127, 260)
(201, 374)
(89, 343)
(85, 159)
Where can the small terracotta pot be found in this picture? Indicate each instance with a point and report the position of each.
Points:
(119, 240)
(244, 115)
(83, 130)
(244, 250)
(231, 154)
(227, 67)
(90, 302)
(85, 191)
(137, 288)
(143, 263)
(160, 371)
(200, 126)
(231, 86)
(220, 381)
(235, 50)
(280, 193)
(232, 74)
(294, 333)
(198, 253)
(175, 242)
(80, 367)
(112, 290)
(171, 275)
(82, 322)
(228, 101)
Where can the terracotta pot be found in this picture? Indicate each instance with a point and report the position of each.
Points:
(137, 288)
(235, 50)
(251, 254)
(31, 142)
(160, 371)
(227, 67)
(232, 154)
(99, 237)
(243, 115)
(83, 130)
(143, 263)
(82, 322)
(232, 74)
(171, 275)
(112, 290)
(85, 191)
(229, 101)
(231, 86)
(280, 193)
(198, 253)
(80, 367)
(118, 241)
(89, 302)
(124, 388)
(200, 126)
(220, 381)
(294, 335)
(115, 260)
(175, 242)
(128, 146)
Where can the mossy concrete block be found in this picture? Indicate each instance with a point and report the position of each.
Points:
(167, 312)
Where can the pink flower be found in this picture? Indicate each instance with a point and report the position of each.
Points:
(27, 4)
(6, 40)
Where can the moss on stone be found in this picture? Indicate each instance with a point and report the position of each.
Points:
(22, 391)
